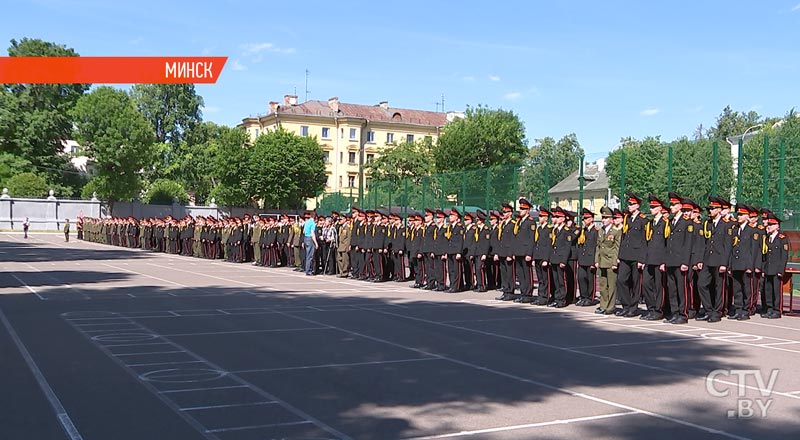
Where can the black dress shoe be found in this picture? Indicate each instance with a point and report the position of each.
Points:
(631, 313)
(701, 318)
(451, 290)
(561, 305)
(599, 311)
(481, 289)
(619, 312)
(671, 319)
(714, 318)
(553, 304)
(774, 315)
(654, 317)
(743, 316)
(679, 320)
(645, 316)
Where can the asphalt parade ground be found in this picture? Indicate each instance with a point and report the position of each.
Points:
(100, 343)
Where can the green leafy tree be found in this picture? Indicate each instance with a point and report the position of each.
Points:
(35, 118)
(484, 138)
(732, 123)
(117, 138)
(11, 165)
(407, 160)
(548, 162)
(27, 185)
(786, 131)
(693, 168)
(230, 195)
(171, 109)
(164, 191)
(645, 167)
(284, 169)
(228, 154)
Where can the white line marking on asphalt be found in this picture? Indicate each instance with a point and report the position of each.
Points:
(529, 425)
(55, 403)
(271, 425)
(189, 390)
(231, 405)
(237, 332)
(30, 289)
(354, 364)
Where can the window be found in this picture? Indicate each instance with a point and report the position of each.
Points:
(304, 130)
(327, 156)
(341, 157)
(351, 158)
(352, 133)
(257, 132)
(351, 181)
(370, 136)
(342, 136)
(326, 132)
(340, 181)
(389, 138)
(409, 138)
(328, 180)
(370, 157)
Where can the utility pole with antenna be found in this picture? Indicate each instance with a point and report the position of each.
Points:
(437, 105)
(442, 102)
(307, 72)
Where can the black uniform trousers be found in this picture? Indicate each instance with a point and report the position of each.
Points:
(711, 284)
(773, 294)
(586, 284)
(742, 287)
(506, 269)
(524, 275)
(653, 288)
(418, 269)
(679, 288)
(440, 271)
(430, 270)
(629, 286)
(559, 283)
(454, 272)
(481, 274)
(543, 280)
(571, 277)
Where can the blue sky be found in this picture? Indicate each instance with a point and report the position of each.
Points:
(603, 70)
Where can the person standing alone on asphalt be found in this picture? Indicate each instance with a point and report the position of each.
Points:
(310, 241)
(66, 229)
(25, 225)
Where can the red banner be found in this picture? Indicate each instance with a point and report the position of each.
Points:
(111, 70)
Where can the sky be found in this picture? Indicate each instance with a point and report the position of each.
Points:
(603, 70)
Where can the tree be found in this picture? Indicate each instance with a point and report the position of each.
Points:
(484, 138)
(11, 165)
(117, 138)
(27, 185)
(228, 152)
(732, 123)
(548, 162)
(164, 191)
(284, 169)
(645, 167)
(35, 119)
(693, 169)
(171, 109)
(410, 160)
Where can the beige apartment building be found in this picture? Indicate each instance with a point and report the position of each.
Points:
(596, 194)
(345, 130)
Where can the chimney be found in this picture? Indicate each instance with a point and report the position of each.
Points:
(273, 107)
(289, 100)
(384, 105)
(333, 103)
(601, 164)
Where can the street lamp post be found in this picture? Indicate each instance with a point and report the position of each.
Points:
(738, 162)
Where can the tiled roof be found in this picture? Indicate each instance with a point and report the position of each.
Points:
(368, 112)
(593, 180)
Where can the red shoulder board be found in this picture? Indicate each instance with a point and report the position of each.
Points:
(760, 226)
(642, 215)
(781, 235)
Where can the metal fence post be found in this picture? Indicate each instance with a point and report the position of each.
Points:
(580, 186)
(622, 175)
(781, 168)
(714, 167)
(547, 185)
(669, 168)
(765, 174)
(740, 160)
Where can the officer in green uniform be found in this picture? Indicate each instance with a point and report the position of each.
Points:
(606, 254)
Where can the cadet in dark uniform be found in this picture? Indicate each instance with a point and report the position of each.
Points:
(713, 268)
(523, 251)
(656, 232)
(632, 254)
(562, 238)
(542, 249)
(776, 248)
(746, 256)
(481, 254)
(682, 232)
(758, 275)
(427, 248)
(587, 246)
(454, 233)
(492, 270)
(439, 250)
(470, 244)
(504, 253)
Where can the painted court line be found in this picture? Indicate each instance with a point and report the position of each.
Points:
(526, 426)
(232, 405)
(237, 332)
(191, 390)
(354, 364)
(272, 425)
(55, 403)
(30, 289)
(524, 380)
(152, 352)
(163, 363)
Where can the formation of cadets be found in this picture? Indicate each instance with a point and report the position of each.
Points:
(679, 265)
